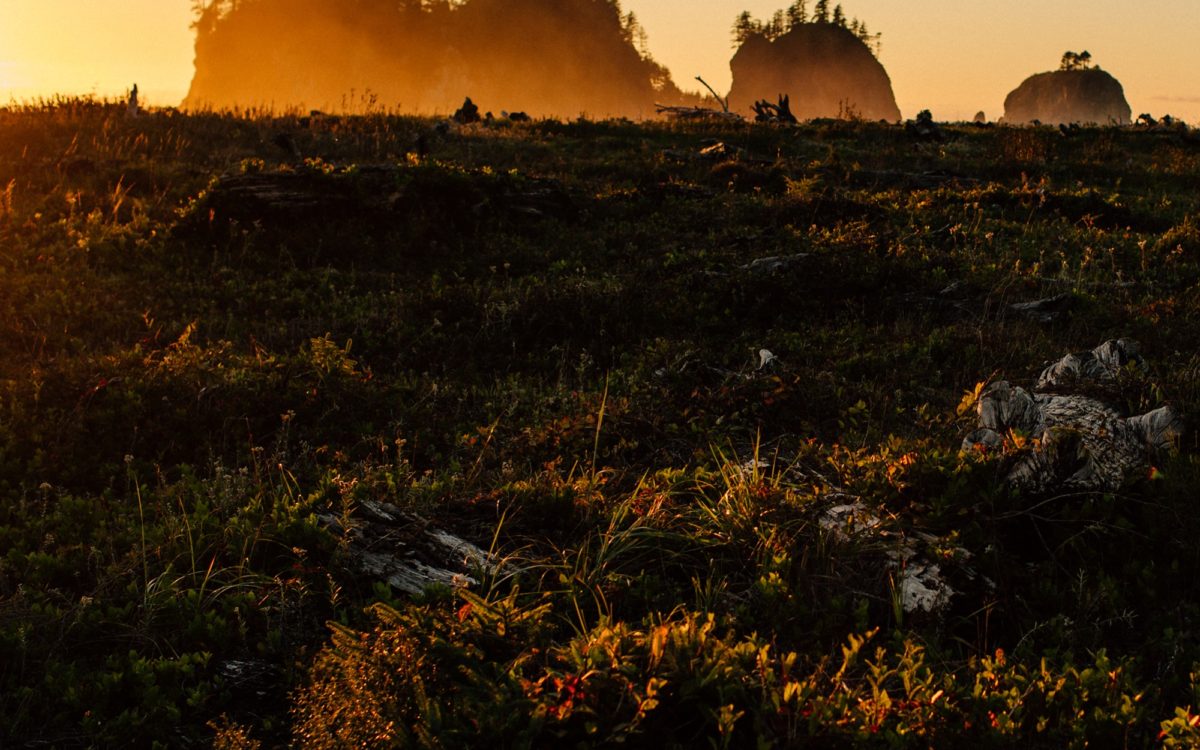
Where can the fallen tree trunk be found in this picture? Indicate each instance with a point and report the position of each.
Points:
(697, 113)
(405, 551)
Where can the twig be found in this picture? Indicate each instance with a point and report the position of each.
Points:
(723, 102)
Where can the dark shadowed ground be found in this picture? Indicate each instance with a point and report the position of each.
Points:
(226, 344)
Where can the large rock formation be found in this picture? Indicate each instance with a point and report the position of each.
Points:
(1068, 96)
(546, 57)
(825, 69)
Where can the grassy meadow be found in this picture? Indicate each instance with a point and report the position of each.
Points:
(545, 339)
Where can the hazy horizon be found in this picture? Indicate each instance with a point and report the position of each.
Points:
(952, 58)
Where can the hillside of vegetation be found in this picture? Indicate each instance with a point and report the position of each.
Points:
(696, 393)
(422, 56)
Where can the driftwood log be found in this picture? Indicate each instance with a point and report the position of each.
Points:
(1077, 437)
(696, 113)
(406, 551)
(375, 193)
(765, 111)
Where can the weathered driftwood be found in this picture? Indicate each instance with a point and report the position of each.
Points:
(890, 178)
(1047, 310)
(715, 152)
(961, 300)
(382, 193)
(405, 551)
(1078, 440)
(696, 113)
(720, 152)
(765, 111)
(920, 582)
(775, 263)
(723, 102)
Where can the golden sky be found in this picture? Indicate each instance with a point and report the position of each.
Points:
(954, 57)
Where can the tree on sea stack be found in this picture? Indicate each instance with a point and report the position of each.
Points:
(1076, 61)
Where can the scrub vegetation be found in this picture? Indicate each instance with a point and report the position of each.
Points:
(545, 339)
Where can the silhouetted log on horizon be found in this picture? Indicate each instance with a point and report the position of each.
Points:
(1068, 96)
(825, 69)
(696, 113)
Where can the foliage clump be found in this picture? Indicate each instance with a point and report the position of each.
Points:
(1076, 61)
(671, 680)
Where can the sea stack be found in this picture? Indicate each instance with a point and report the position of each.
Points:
(1088, 96)
(825, 68)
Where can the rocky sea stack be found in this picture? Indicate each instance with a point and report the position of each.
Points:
(1068, 96)
(825, 68)
(558, 58)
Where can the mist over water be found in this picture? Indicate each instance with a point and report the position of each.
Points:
(562, 58)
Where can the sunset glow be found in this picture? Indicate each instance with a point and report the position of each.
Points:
(8, 76)
(952, 58)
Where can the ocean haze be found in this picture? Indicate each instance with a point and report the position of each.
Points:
(954, 58)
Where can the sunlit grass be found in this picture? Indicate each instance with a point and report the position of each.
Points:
(547, 342)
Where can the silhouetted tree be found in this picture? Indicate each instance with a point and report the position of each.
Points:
(207, 13)
(745, 27)
(777, 26)
(874, 41)
(1076, 61)
(797, 13)
(634, 33)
